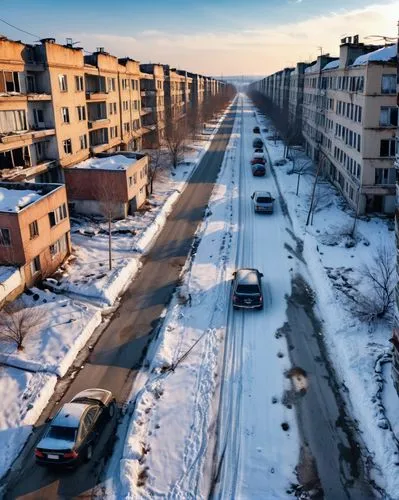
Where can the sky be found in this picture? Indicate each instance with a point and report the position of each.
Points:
(212, 37)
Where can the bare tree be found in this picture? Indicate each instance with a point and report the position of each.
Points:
(175, 141)
(194, 121)
(16, 321)
(380, 279)
(321, 199)
(155, 161)
(301, 165)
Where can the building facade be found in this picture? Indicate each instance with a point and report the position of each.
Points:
(34, 228)
(349, 118)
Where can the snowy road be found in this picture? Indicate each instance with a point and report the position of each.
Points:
(280, 408)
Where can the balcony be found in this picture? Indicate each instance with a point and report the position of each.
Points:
(147, 92)
(34, 97)
(145, 111)
(25, 135)
(12, 97)
(96, 123)
(96, 95)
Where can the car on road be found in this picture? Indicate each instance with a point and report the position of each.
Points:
(72, 434)
(256, 130)
(257, 143)
(258, 158)
(263, 202)
(247, 289)
(258, 150)
(258, 169)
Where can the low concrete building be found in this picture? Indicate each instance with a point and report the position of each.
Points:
(34, 228)
(111, 185)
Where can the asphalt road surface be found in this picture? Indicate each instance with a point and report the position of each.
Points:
(117, 356)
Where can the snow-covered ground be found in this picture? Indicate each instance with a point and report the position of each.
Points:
(336, 270)
(63, 322)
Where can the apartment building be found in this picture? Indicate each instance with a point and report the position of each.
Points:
(34, 228)
(28, 145)
(395, 332)
(349, 118)
(111, 184)
(152, 85)
(174, 95)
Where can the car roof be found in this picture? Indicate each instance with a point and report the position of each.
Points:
(247, 276)
(262, 193)
(70, 415)
(101, 395)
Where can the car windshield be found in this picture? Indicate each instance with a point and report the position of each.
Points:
(263, 199)
(62, 433)
(247, 289)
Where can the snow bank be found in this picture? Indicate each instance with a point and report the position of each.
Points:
(23, 397)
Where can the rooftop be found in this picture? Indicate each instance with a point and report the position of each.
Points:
(384, 54)
(15, 196)
(332, 65)
(115, 162)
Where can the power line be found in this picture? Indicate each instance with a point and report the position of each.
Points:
(19, 29)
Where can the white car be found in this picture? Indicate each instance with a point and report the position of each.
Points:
(263, 202)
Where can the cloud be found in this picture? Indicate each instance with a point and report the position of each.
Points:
(252, 50)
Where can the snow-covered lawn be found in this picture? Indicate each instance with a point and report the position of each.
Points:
(336, 270)
(23, 396)
(60, 329)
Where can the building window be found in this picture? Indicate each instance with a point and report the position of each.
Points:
(33, 229)
(65, 115)
(126, 128)
(81, 112)
(130, 181)
(79, 83)
(387, 147)
(35, 265)
(67, 146)
(83, 141)
(58, 247)
(388, 84)
(113, 132)
(9, 81)
(62, 79)
(5, 237)
(135, 178)
(111, 85)
(57, 215)
(125, 105)
(388, 116)
(381, 176)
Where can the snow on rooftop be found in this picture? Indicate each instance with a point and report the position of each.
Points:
(380, 55)
(13, 200)
(332, 65)
(117, 162)
(310, 69)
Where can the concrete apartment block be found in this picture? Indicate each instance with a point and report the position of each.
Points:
(114, 183)
(349, 118)
(175, 84)
(34, 228)
(27, 126)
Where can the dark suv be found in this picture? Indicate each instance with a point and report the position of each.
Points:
(257, 143)
(247, 289)
(72, 433)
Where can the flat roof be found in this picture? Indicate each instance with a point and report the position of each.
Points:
(111, 163)
(15, 196)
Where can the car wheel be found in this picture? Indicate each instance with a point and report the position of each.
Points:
(111, 409)
(89, 453)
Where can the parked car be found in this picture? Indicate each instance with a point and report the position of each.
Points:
(258, 169)
(71, 435)
(256, 130)
(265, 130)
(258, 158)
(258, 150)
(263, 202)
(257, 143)
(247, 289)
